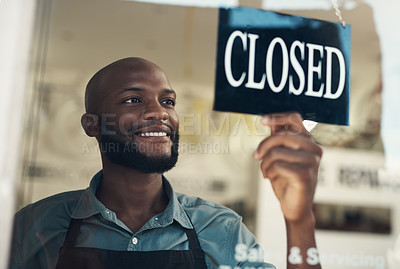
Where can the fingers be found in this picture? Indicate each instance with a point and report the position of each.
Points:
(284, 122)
(290, 150)
(287, 159)
(282, 173)
(288, 140)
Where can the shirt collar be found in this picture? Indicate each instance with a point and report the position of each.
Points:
(88, 205)
(174, 210)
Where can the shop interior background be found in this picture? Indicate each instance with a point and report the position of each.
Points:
(357, 205)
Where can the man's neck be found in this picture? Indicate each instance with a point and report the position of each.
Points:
(134, 196)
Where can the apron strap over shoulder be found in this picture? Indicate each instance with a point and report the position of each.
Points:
(72, 234)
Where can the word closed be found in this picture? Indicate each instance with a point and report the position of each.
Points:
(316, 54)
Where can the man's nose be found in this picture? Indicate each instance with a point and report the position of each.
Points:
(155, 111)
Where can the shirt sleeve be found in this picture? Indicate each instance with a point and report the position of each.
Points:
(23, 245)
(245, 251)
(37, 238)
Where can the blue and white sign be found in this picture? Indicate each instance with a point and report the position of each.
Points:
(269, 62)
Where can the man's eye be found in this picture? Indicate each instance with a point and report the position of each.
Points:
(132, 100)
(169, 102)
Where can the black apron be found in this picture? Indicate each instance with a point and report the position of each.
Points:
(72, 257)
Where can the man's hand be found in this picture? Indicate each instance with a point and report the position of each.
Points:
(290, 160)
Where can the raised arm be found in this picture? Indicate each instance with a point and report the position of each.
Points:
(290, 160)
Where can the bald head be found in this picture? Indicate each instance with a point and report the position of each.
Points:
(110, 75)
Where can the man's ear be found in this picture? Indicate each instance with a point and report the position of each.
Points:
(90, 123)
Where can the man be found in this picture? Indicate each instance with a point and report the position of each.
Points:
(130, 217)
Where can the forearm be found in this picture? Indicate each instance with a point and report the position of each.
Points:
(301, 243)
(290, 159)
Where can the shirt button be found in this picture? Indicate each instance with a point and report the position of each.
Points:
(156, 218)
(134, 240)
(108, 211)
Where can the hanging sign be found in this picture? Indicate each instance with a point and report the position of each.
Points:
(269, 62)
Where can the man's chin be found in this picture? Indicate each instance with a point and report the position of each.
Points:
(145, 163)
(144, 157)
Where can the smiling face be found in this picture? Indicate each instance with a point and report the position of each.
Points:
(137, 125)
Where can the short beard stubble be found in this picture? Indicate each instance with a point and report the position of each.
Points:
(126, 153)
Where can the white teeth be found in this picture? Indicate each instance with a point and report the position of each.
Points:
(153, 134)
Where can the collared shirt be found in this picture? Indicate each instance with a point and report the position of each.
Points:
(40, 230)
